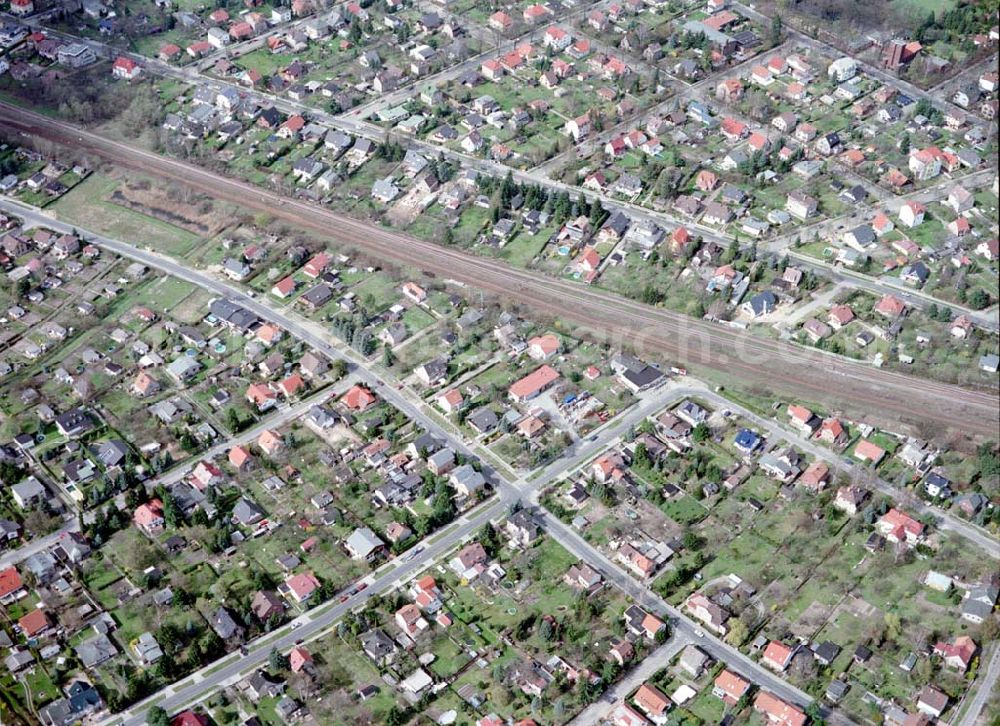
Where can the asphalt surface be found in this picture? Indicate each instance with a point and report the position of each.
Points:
(355, 120)
(983, 689)
(639, 674)
(685, 629)
(776, 432)
(315, 622)
(654, 332)
(39, 544)
(412, 406)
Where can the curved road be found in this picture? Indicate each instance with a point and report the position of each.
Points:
(656, 332)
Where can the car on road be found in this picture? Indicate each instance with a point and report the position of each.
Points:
(296, 624)
(699, 633)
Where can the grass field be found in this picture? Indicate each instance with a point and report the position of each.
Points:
(87, 206)
(165, 293)
(922, 7)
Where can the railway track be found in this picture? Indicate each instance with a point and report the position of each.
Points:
(781, 367)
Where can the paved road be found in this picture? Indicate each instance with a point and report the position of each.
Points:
(987, 319)
(316, 622)
(283, 414)
(657, 332)
(777, 432)
(645, 670)
(879, 74)
(686, 628)
(682, 92)
(354, 122)
(489, 48)
(984, 687)
(305, 330)
(311, 625)
(39, 544)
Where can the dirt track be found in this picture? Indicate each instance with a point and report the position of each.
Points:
(661, 334)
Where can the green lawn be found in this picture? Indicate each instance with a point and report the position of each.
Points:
(921, 8)
(684, 509)
(164, 293)
(524, 248)
(87, 205)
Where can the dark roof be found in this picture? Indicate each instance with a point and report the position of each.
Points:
(827, 651)
(642, 378)
(75, 421)
(482, 419)
(233, 314)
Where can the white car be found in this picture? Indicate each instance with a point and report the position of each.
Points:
(699, 633)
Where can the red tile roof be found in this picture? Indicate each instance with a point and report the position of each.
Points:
(33, 623)
(778, 711)
(10, 582)
(651, 700)
(534, 383)
(359, 398)
(731, 685)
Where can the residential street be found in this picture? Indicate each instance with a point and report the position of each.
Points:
(582, 345)
(528, 487)
(658, 332)
(647, 667)
(984, 687)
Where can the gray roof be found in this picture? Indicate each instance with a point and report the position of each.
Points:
(763, 302)
(224, 625)
(233, 314)
(468, 478)
(183, 367)
(95, 651)
(441, 458)
(28, 489)
(111, 453)
(864, 234)
(377, 645)
(482, 419)
(17, 661)
(980, 601)
(74, 422)
(363, 541)
(246, 512)
(385, 189)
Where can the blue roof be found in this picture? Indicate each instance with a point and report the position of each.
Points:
(747, 439)
(937, 480)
